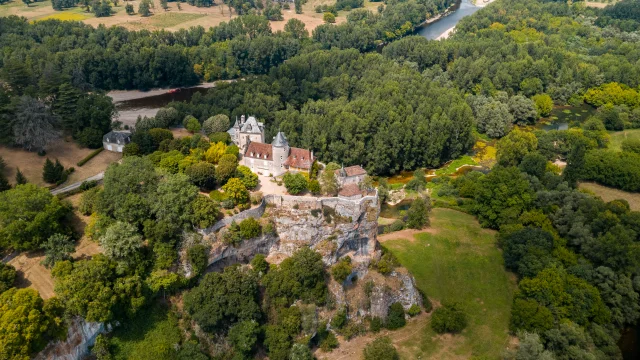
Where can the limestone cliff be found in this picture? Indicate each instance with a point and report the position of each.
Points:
(80, 336)
(335, 228)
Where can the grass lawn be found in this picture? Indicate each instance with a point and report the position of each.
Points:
(607, 194)
(458, 261)
(616, 138)
(151, 335)
(451, 168)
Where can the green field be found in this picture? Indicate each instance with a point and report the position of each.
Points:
(616, 138)
(459, 261)
(151, 335)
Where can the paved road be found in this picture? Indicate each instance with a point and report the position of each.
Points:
(76, 185)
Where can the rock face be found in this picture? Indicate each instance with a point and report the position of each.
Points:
(334, 227)
(80, 336)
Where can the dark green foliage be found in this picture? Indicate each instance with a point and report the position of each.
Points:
(342, 269)
(534, 164)
(349, 4)
(222, 299)
(380, 349)
(29, 215)
(528, 251)
(89, 201)
(205, 211)
(295, 183)
(244, 336)
(418, 213)
(280, 334)
(202, 175)
(259, 264)
(616, 169)
(4, 182)
(198, 256)
(20, 178)
(500, 187)
(7, 277)
(418, 182)
(450, 318)
(52, 173)
(100, 348)
(339, 320)
(222, 137)
(300, 276)
(397, 225)
(395, 317)
(129, 9)
(328, 342)
(375, 325)
(57, 248)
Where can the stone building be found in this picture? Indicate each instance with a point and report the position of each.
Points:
(116, 140)
(350, 175)
(268, 159)
(246, 131)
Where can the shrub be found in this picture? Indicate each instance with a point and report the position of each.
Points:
(129, 9)
(448, 319)
(395, 317)
(631, 145)
(414, 310)
(340, 319)
(89, 157)
(329, 343)
(89, 201)
(222, 137)
(314, 187)
(250, 228)
(329, 18)
(380, 349)
(375, 325)
(198, 258)
(397, 225)
(191, 124)
(342, 269)
(259, 264)
(295, 183)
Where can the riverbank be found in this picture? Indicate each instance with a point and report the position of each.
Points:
(127, 95)
(441, 27)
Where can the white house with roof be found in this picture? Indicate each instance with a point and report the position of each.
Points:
(268, 159)
(116, 140)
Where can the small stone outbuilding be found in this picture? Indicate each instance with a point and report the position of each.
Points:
(350, 192)
(350, 175)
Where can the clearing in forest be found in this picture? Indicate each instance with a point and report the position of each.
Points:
(608, 194)
(617, 137)
(458, 261)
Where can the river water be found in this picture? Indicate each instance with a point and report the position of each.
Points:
(436, 29)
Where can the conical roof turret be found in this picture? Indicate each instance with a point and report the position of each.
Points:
(280, 140)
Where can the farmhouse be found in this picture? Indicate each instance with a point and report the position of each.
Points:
(116, 140)
(276, 158)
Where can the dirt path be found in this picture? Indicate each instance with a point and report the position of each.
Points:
(406, 234)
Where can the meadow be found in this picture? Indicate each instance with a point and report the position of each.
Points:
(456, 260)
(617, 137)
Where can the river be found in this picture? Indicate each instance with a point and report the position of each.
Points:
(441, 27)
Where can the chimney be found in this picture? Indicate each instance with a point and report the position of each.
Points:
(242, 120)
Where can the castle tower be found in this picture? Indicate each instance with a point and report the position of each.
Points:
(280, 147)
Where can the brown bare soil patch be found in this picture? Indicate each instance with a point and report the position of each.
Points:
(594, 4)
(68, 152)
(352, 349)
(406, 234)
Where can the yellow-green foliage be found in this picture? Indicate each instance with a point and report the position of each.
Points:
(612, 93)
(66, 16)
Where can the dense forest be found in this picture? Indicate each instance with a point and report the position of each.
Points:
(417, 103)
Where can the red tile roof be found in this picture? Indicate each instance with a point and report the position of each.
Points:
(299, 158)
(352, 170)
(350, 190)
(257, 150)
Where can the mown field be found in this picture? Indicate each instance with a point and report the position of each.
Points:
(172, 19)
(457, 260)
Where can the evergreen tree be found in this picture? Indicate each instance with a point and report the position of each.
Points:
(49, 172)
(164, 4)
(66, 105)
(20, 178)
(59, 170)
(144, 9)
(4, 183)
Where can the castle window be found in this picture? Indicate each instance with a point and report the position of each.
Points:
(265, 156)
(252, 153)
